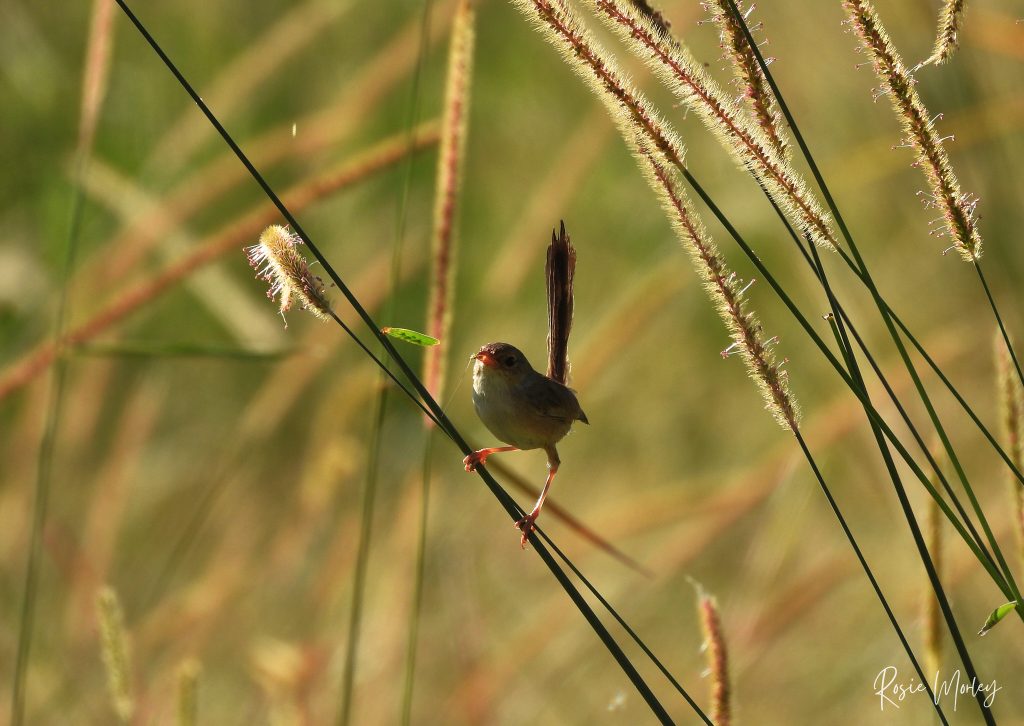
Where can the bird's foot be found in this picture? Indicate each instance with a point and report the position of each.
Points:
(474, 460)
(526, 525)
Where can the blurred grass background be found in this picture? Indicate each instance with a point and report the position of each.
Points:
(197, 402)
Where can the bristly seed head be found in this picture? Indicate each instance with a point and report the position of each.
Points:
(277, 261)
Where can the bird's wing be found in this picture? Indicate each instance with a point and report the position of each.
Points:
(560, 270)
(550, 399)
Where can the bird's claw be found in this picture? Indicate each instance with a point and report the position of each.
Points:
(526, 525)
(472, 461)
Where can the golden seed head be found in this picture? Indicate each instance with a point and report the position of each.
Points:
(277, 261)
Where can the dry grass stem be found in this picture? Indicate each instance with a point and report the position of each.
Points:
(449, 182)
(114, 643)
(958, 207)
(277, 261)
(1011, 404)
(717, 658)
(947, 39)
(97, 70)
(749, 75)
(743, 139)
(212, 248)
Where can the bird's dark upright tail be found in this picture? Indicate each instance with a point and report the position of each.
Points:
(560, 268)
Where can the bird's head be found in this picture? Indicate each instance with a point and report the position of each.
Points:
(502, 359)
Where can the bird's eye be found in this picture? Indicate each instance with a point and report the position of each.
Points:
(510, 361)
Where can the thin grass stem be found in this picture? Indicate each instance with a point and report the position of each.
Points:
(94, 82)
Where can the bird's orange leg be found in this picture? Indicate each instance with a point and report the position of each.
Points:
(477, 458)
(525, 525)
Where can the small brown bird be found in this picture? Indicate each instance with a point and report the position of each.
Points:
(523, 407)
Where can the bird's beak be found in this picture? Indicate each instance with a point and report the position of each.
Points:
(487, 359)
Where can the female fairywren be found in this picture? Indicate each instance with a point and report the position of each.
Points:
(523, 407)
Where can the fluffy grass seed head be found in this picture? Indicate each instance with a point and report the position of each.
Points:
(948, 37)
(717, 657)
(727, 291)
(748, 73)
(116, 659)
(660, 154)
(277, 261)
(747, 143)
(957, 207)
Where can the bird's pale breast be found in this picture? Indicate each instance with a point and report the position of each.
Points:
(531, 413)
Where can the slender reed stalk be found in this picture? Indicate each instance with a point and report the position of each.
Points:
(1011, 405)
(94, 84)
(932, 626)
(116, 660)
(450, 162)
(717, 658)
(748, 75)
(958, 207)
(951, 17)
(747, 143)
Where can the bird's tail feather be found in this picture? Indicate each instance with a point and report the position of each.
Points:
(560, 268)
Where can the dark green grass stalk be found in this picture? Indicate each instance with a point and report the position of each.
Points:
(625, 626)
(958, 212)
(376, 435)
(689, 81)
(93, 94)
(980, 548)
(932, 627)
(444, 423)
(979, 545)
(883, 310)
(879, 426)
(853, 383)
